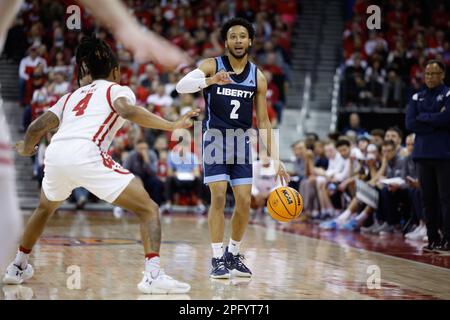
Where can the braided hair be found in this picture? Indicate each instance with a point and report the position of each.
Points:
(95, 57)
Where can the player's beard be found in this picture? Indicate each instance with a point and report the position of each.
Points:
(241, 56)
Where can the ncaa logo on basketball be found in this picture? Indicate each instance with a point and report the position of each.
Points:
(288, 197)
(284, 204)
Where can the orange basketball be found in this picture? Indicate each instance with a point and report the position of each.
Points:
(284, 204)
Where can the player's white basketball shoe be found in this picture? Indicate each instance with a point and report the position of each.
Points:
(15, 275)
(158, 282)
(18, 292)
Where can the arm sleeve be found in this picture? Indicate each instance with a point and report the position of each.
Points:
(58, 107)
(122, 92)
(192, 82)
(411, 122)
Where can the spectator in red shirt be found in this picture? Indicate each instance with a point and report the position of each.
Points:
(273, 96)
(162, 167)
(26, 69)
(141, 92)
(37, 80)
(278, 75)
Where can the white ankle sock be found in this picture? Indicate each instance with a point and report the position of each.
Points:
(217, 249)
(152, 264)
(21, 259)
(234, 246)
(344, 216)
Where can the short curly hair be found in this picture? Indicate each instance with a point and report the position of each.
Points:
(237, 22)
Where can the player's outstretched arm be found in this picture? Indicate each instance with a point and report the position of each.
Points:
(145, 44)
(37, 129)
(146, 119)
(8, 11)
(203, 77)
(265, 128)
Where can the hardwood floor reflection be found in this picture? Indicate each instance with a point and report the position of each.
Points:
(109, 258)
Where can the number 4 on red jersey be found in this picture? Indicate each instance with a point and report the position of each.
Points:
(82, 105)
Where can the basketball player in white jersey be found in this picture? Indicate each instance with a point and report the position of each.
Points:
(88, 120)
(144, 44)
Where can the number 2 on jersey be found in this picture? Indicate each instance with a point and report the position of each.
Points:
(236, 104)
(82, 105)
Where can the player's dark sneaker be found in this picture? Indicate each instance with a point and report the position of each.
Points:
(219, 270)
(431, 246)
(443, 248)
(235, 263)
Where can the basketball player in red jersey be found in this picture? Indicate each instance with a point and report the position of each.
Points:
(88, 120)
(145, 46)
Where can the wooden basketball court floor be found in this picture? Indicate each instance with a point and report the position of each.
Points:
(293, 261)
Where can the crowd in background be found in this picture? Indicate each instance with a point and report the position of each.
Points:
(379, 68)
(45, 49)
(384, 68)
(360, 181)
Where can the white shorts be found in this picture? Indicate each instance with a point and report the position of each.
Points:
(101, 176)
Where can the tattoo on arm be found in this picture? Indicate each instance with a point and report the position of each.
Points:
(45, 122)
(39, 127)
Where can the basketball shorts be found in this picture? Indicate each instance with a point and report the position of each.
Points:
(227, 158)
(89, 168)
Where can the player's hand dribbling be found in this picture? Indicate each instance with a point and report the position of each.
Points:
(186, 120)
(280, 168)
(20, 147)
(221, 78)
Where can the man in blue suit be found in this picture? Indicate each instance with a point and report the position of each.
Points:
(428, 116)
